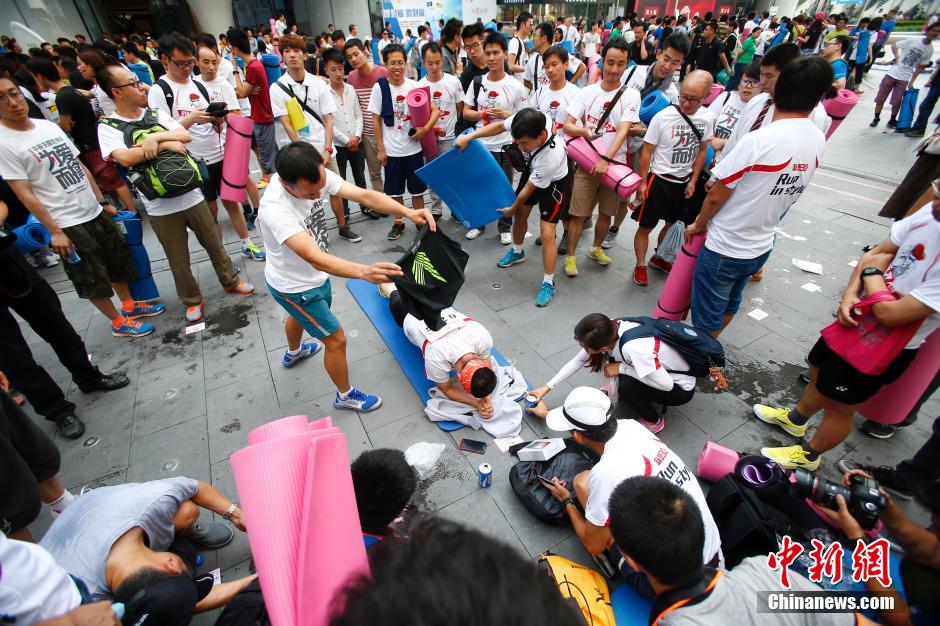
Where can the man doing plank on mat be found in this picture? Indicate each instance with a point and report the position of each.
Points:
(293, 227)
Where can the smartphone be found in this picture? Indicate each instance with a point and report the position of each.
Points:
(216, 109)
(543, 479)
(472, 445)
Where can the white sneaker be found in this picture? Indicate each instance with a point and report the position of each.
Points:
(473, 233)
(505, 238)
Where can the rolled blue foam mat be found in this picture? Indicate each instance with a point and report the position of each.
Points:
(31, 236)
(471, 183)
(651, 105)
(629, 606)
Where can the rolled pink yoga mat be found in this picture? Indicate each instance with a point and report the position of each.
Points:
(619, 177)
(677, 292)
(716, 461)
(894, 402)
(839, 107)
(593, 68)
(717, 90)
(285, 427)
(237, 151)
(419, 104)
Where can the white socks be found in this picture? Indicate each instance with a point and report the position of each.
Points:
(295, 352)
(62, 502)
(517, 248)
(549, 278)
(246, 242)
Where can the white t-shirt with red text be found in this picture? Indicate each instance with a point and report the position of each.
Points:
(445, 94)
(915, 270)
(396, 140)
(591, 104)
(506, 93)
(555, 104)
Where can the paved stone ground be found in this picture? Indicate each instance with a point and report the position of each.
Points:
(194, 397)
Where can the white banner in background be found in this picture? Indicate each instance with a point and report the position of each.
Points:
(484, 9)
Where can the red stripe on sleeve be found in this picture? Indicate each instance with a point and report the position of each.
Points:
(757, 167)
(656, 353)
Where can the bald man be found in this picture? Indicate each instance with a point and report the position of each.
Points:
(673, 155)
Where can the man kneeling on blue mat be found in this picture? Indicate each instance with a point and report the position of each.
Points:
(463, 345)
(293, 227)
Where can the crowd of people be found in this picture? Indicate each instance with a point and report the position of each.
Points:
(138, 124)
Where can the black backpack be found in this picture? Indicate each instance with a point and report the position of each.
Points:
(700, 350)
(463, 123)
(523, 478)
(168, 93)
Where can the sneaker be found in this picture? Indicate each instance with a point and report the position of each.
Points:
(886, 476)
(915, 132)
(505, 238)
(307, 350)
(131, 328)
(804, 376)
(779, 417)
(609, 239)
(70, 427)
(473, 233)
(212, 535)
(875, 121)
(250, 223)
(357, 401)
(144, 309)
(511, 258)
(661, 264)
(640, 276)
(372, 215)
(600, 256)
(882, 431)
(538, 240)
(757, 276)
(892, 123)
(243, 287)
(397, 229)
(253, 252)
(46, 259)
(346, 233)
(194, 313)
(106, 382)
(791, 457)
(563, 244)
(653, 427)
(545, 295)
(262, 183)
(571, 266)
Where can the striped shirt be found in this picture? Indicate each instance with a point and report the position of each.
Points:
(363, 86)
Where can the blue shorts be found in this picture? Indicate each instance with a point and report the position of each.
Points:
(400, 170)
(717, 284)
(311, 308)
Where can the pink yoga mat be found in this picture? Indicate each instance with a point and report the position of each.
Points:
(717, 90)
(619, 177)
(271, 481)
(839, 107)
(716, 461)
(419, 104)
(285, 427)
(677, 292)
(894, 402)
(331, 546)
(235, 164)
(593, 68)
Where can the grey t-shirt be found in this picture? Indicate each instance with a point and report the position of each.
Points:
(81, 538)
(734, 600)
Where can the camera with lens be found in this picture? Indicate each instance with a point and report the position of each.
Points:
(862, 497)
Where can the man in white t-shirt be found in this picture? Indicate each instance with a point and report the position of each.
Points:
(42, 168)
(757, 182)
(299, 266)
(518, 54)
(592, 40)
(671, 162)
(169, 217)
(911, 56)
(447, 95)
(626, 449)
(534, 77)
(604, 113)
(317, 105)
(554, 99)
(397, 139)
(493, 97)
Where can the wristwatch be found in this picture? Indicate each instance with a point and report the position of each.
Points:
(566, 502)
(871, 271)
(227, 516)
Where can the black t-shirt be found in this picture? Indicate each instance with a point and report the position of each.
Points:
(706, 55)
(635, 52)
(84, 122)
(471, 71)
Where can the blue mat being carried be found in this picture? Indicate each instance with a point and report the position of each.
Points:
(408, 355)
(31, 236)
(630, 608)
(471, 183)
(651, 105)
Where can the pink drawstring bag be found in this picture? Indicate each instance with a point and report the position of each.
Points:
(869, 347)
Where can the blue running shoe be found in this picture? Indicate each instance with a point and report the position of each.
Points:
(357, 401)
(131, 328)
(307, 350)
(511, 258)
(253, 252)
(545, 295)
(144, 309)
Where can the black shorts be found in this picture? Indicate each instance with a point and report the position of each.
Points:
(104, 258)
(839, 381)
(553, 201)
(665, 200)
(401, 170)
(213, 182)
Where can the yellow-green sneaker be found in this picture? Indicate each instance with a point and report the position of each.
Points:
(571, 266)
(779, 417)
(600, 256)
(791, 457)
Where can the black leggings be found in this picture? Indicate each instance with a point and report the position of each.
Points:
(641, 398)
(397, 308)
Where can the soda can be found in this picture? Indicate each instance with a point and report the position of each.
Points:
(73, 257)
(485, 475)
(531, 401)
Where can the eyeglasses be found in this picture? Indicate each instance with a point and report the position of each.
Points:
(690, 99)
(184, 65)
(474, 46)
(750, 83)
(134, 83)
(13, 94)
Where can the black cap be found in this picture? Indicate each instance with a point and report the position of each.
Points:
(167, 602)
(929, 495)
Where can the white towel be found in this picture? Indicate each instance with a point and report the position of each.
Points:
(507, 413)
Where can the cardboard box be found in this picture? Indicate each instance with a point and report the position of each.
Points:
(541, 449)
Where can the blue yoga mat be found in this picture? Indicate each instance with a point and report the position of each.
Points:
(272, 67)
(651, 105)
(906, 114)
(375, 52)
(133, 228)
(709, 156)
(408, 355)
(31, 236)
(629, 607)
(471, 183)
(567, 45)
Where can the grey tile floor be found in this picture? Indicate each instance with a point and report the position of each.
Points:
(193, 398)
